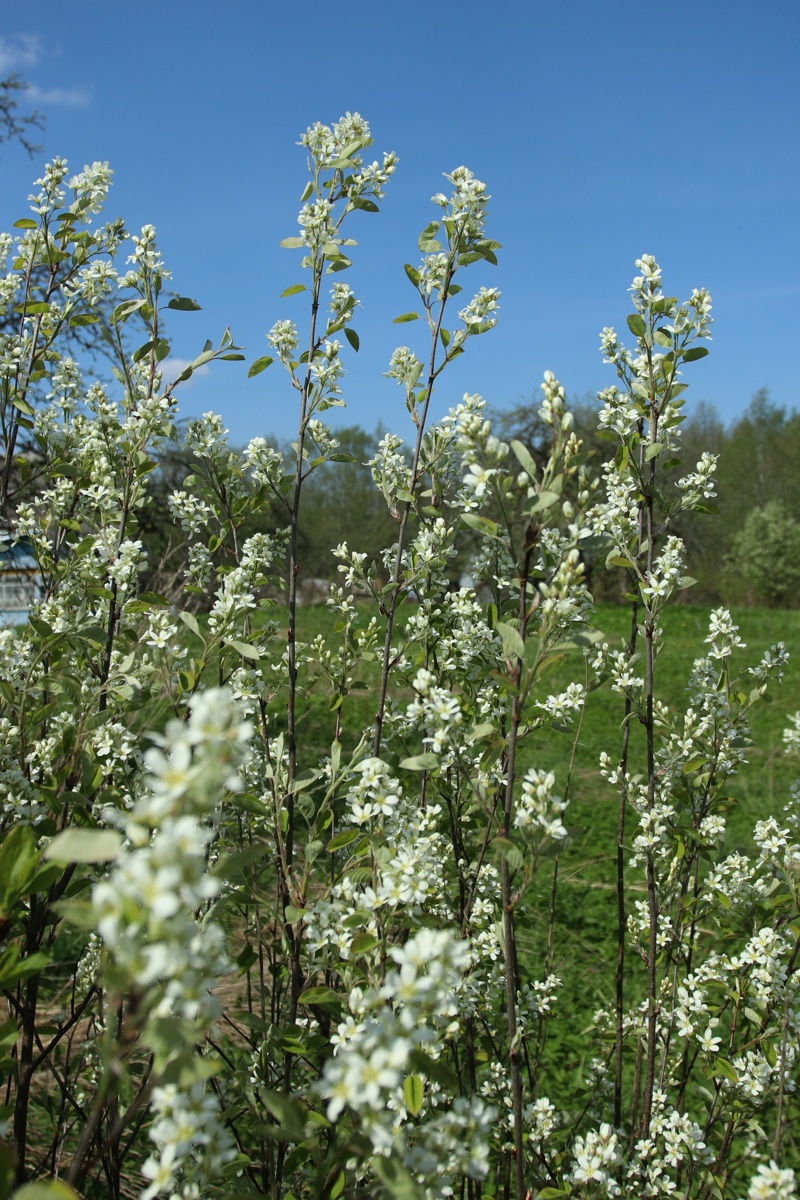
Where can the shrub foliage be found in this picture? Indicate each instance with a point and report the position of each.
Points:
(233, 966)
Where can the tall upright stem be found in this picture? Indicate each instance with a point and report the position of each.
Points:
(509, 946)
(619, 978)
(652, 900)
(407, 506)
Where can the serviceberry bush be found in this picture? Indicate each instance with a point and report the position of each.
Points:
(232, 966)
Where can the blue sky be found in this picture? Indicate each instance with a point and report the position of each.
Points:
(603, 129)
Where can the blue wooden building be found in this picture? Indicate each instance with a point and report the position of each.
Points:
(19, 580)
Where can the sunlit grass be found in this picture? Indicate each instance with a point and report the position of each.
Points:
(584, 940)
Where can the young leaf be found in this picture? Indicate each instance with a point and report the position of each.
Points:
(480, 524)
(525, 459)
(343, 839)
(319, 995)
(413, 1094)
(420, 762)
(397, 1179)
(84, 846)
(183, 304)
(190, 621)
(427, 239)
(636, 325)
(513, 645)
(260, 365)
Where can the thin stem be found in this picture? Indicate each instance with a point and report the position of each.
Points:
(508, 899)
(401, 536)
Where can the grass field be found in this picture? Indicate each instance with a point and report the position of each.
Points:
(585, 914)
(762, 785)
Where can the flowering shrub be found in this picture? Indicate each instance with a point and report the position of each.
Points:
(234, 968)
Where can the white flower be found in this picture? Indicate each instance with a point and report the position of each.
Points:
(772, 1183)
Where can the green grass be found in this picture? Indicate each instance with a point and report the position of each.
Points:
(585, 925)
(762, 785)
(585, 914)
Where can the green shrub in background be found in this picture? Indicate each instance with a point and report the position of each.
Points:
(764, 562)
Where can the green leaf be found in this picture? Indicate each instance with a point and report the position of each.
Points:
(19, 869)
(412, 273)
(723, 1067)
(13, 969)
(246, 958)
(361, 202)
(406, 317)
(636, 325)
(343, 839)
(292, 243)
(84, 846)
(545, 500)
(413, 1094)
(694, 353)
(435, 1069)
(124, 310)
(398, 1181)
(507, 850)
(524, 458)
(319, 995)
(190, 621)
(244, 649)
(652, 450)
(337, 1187)
(352, 338)
(427, 239)
(362, 943)
(154, 598)
(183, 304)
(52, 1189)
(480, 524)
(25, 223)
(288, 1111)
(420, 762)
(294, 290)
(513, 645)
(622, 457)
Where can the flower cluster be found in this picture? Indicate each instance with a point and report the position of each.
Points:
(481, 312)
(538, 807)
(410, 1012)
(468, 201)
(146, 910)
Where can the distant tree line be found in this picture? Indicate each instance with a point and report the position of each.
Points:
(747, 552)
